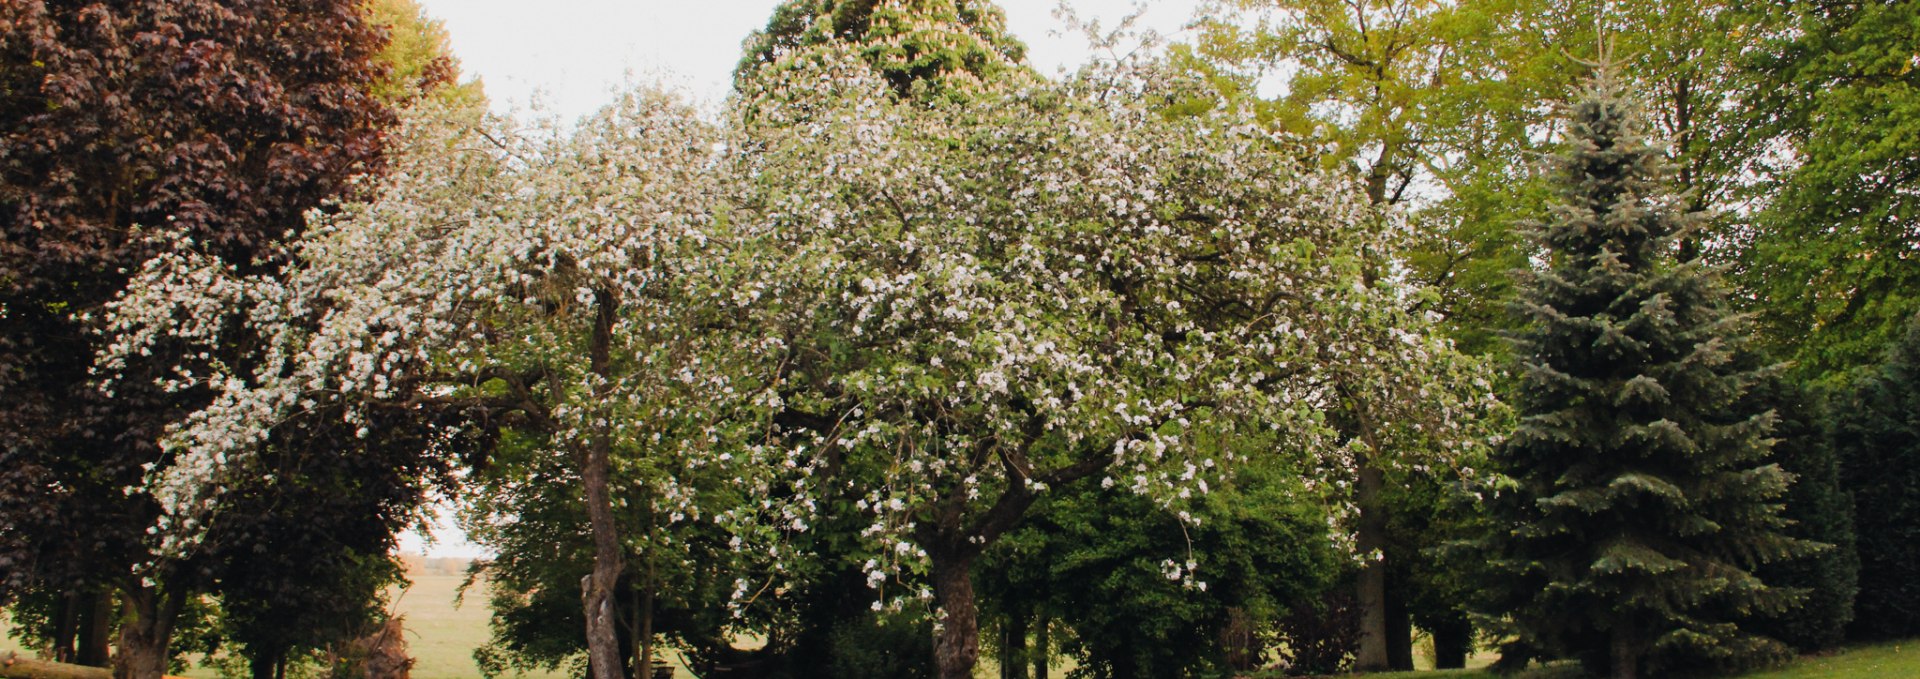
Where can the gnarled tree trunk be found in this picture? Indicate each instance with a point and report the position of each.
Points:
(956, 646)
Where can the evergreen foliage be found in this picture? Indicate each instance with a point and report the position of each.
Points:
(1640, 496)
(1877, 433)
(1821, 509)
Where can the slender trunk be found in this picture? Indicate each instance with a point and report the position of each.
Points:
(956, 644)
(1042, 654)
(1399, 626)
(1452, 642)
(96, 631)
(646, 623)
(66, 627)
(1013, 643)
(633, 627)
(1371, 594)
(603, 635)
(1626, 654)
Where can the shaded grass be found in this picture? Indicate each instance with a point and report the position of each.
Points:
(1893, 660)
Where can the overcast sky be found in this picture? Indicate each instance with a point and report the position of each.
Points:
(573, 54)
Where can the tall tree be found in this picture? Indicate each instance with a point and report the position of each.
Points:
(576, 257)
(418, 56)
(1641, 497)
(1373, 88)
(1832, 262)
(1877, 433)
(217, 123)
(1820, 506)
(1128, 311)
(924, 49)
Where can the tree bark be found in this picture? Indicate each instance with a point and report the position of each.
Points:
(1013, 644)
(956, 644)
(1042, 654)
(1399, 626)
(1452, 643)
(66, 626)
(144, 636)
(1371, 593)
(645, 632)
(266, 665)
(1626, 655)
(597, 595)
(96, 631)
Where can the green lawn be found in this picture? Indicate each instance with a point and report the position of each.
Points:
(1896, 660)
(442, 638)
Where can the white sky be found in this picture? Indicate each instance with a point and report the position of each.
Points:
(571, 55)
(575, 52)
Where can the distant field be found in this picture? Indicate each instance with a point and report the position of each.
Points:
(441, 637)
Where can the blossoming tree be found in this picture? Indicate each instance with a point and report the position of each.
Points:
(547, 281)
(1053, 284)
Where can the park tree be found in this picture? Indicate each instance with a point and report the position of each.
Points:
(1830, 262)
(1094, 562)
(1877, 434)
(1640, 495)
(924, 49)
(1151, 299)
(418, 56)
(197, 120)
(1820, 507)
(1380, 90)
(524, 506)
(540, 281)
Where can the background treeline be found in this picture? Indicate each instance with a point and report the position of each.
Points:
(1603, 307)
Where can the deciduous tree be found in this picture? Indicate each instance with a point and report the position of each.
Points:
(216, 123)
(1052, 285)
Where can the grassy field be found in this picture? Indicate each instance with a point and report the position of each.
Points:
(1898, 660)
(442, 636)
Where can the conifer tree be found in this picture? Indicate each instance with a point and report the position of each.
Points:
(1640, 497)
(1877, 435)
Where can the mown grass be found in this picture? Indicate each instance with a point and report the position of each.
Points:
(442, 637)
(1895, 660)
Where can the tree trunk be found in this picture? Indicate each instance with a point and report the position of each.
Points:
(1626, 655)
(143, 644)
(956, 643)
(1452, 643)
(1013, 644)
(645, 631)
(66, 626)
(1371, 594)
(1042, 653)
(1399, 627)
(603, 635)
(266, 665)
(96, 631)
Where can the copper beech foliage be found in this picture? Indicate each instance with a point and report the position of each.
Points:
(220, 122)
